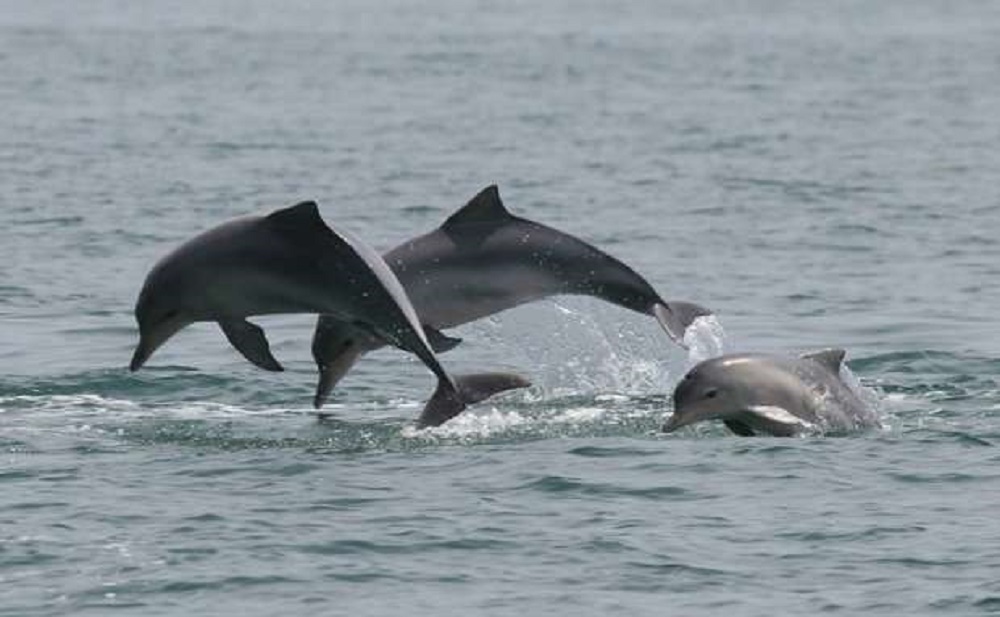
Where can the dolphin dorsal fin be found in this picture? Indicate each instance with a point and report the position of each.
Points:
(301, 217)
(830, 358)
(486, 207)
(305, 211)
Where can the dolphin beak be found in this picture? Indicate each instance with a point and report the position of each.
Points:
(151, 340)
(673, 423)
(143, 351)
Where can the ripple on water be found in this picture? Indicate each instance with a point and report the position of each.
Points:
(234, 583)
(570, 487)
(404, 546)
(628, 452)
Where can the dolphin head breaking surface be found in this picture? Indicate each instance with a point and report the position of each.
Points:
(775, 395)
(290, 261)
(484, 260)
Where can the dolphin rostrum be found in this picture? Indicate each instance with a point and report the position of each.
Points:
(775, 395)
(484, 260)
(291, 262)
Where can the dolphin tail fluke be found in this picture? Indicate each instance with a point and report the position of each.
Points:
(675, 317)
(448, 401)
(444, 404)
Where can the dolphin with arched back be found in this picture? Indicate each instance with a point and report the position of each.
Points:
(291, 262)
(484, 260)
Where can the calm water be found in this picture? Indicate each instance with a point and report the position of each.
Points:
(818, 175)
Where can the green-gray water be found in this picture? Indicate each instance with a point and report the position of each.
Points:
(819, 173)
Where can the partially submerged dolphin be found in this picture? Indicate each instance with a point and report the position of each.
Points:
(762, 394)
(484, 260)
(291, 262)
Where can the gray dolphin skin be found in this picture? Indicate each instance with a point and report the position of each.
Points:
(291, 262)
(484, 260)
(757, 394)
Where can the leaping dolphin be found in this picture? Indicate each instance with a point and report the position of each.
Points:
(291, 262)
(775, 395)
(484, 260)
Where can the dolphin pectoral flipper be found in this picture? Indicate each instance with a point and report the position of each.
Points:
(676, 317)
(738, 427)
(250, 341)
(777, 420)
(447, 402)
(440, 342)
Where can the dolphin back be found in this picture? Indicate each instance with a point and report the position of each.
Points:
(338, 251)
(572, 265)
(845, 407)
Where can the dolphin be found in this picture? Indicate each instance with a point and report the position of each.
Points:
(290, 261)
(764, 394)
(484, 260)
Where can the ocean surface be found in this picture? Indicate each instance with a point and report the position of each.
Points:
(820, 174)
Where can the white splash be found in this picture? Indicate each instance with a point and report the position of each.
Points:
(469, 425)
(868, 395)
(96, 405)
(579, 415)
(704, 339)
(88, 403)
(612, 398)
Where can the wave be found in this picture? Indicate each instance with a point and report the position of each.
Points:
(920, 395)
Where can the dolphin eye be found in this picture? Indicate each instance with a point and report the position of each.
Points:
(171, 314)
(711, 393)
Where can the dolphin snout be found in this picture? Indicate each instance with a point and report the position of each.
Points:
(673, 423)
(141, 354)
(151, 339)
